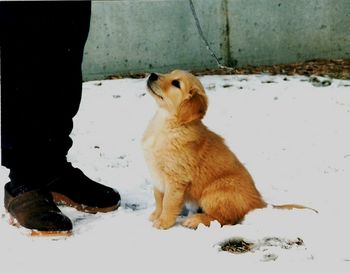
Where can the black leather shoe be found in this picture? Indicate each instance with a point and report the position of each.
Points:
(36, 210)
(75, 189)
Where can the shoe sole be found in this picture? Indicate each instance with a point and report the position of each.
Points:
(37, 233)
(64, 200)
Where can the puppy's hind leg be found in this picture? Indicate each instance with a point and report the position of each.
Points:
(227, 202)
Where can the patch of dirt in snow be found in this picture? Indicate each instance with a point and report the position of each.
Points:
(267, 245)
(237, 246)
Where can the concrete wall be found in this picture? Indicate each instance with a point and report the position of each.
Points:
(283, 31)
(159, 35)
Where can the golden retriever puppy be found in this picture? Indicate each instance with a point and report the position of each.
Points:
(190, 163)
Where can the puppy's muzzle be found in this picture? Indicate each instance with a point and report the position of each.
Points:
(151, 79)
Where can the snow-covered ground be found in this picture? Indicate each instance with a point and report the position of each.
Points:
(292, 135)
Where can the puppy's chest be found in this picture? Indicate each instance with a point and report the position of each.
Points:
(154, 138)
(160, 150)
(165, 154)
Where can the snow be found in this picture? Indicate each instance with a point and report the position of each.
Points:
(292, 135)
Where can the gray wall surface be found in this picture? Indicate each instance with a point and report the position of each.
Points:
(160, 35)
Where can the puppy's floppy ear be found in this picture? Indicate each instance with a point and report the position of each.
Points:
(193, 108)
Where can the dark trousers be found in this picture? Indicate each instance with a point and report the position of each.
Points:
(42, 47)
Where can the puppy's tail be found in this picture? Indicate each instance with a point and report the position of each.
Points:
(293, 206)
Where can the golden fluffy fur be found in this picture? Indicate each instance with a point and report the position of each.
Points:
(190, 163)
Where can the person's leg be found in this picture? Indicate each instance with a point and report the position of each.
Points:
(41, 53)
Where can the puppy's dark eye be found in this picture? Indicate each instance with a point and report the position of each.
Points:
(176, 83)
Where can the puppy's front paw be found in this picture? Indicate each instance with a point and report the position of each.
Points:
(154, 216)
(162, 223)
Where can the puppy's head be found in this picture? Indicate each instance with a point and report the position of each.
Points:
(179, 93)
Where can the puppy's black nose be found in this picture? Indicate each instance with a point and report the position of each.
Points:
(153, 77)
